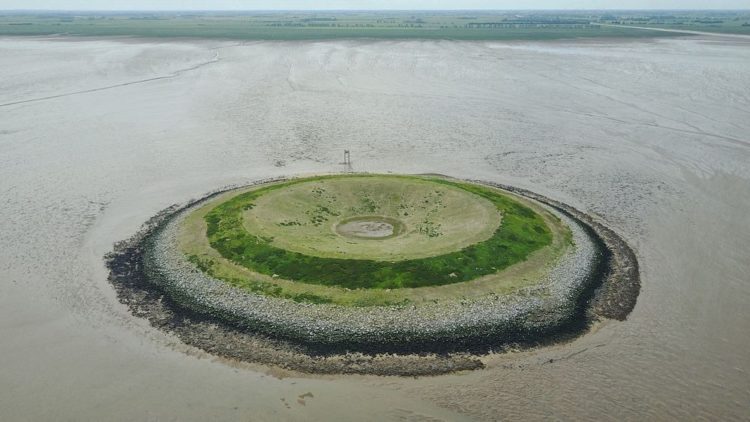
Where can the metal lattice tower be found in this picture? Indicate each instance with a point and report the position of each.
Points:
(347, 160)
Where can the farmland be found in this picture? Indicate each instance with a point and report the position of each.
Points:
(449, 25)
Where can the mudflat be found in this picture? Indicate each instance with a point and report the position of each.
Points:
(97, 135)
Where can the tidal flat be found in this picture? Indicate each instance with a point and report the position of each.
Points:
(650, 136)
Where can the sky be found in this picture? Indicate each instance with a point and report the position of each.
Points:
(366, 4)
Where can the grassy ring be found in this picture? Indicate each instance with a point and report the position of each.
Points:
(521, 233)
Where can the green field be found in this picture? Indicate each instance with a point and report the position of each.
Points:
(728, 22)
(522, 232)
(456, 25)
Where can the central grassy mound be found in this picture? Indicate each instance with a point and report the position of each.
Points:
(342, 217)
(418, 231)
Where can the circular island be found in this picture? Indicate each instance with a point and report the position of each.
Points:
(364, 273)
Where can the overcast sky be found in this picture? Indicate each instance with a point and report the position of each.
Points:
(366, 4)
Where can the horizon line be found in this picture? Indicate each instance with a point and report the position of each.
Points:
(374, 10)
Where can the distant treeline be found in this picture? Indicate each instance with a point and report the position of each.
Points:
(530, 24)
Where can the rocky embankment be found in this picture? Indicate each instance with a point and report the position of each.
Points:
(597, 278)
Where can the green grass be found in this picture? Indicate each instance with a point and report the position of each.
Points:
(208, 266)
(522, 232)
(194, 243)
(431, 219)
(318, 25)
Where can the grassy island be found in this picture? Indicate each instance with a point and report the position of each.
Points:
(221, 269)
(414, 239)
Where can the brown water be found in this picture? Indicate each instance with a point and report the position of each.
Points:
(98, 135)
